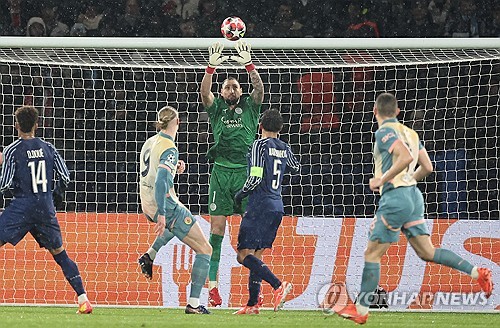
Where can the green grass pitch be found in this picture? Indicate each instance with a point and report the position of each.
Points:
(59, 317)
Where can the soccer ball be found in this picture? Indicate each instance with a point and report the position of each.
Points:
(233, 28)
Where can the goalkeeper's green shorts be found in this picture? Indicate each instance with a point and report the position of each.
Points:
(224, 184)
(400, 209)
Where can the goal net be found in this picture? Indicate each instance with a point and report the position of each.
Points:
(98, 100)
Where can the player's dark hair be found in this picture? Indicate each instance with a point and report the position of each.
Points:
(26, 117)
(230, 78)
(165, 116)
(272, 120)
(387, 105)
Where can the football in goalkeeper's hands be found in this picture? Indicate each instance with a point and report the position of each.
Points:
(233, 28)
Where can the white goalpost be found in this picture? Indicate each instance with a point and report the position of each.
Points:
(98, 99)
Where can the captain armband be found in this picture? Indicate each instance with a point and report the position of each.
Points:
(256, 171)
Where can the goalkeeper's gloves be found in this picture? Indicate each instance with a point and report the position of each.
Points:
(244, 56)
(58, 193)
(215, 57)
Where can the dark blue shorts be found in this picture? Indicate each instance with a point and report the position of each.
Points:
(258, 230)
(36, 216)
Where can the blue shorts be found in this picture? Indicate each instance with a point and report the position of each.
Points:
(399, 210)
(258, 230)
(36, 216)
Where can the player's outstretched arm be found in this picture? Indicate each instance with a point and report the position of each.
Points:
(244, 57)
(215, 58)
(425, 165)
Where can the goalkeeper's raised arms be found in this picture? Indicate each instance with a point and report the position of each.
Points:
(244, 56)
(215, 57)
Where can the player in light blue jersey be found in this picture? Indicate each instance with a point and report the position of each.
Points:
(269, 159)
(29, 164)
(149, 162)
(397, 152)
(160, 203)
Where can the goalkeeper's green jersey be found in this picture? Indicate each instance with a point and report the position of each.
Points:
(234, 131)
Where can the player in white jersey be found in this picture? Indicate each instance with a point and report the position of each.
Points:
(159, 164)
(148, 168)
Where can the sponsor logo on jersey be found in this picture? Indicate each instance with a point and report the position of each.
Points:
(387, 137)
(237, 123)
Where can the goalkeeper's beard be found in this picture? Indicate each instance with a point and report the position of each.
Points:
(232, 102)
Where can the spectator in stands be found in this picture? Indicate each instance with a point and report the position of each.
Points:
(154, 21)
(465, 21)
(90, 18)
(78, 30)
(188, 28)
(15, 27)
(171, 19)
(108, 26)
(4, 18)
(132, 21)
(439, 10)
(303, 10)
(36, 27)
(209, 19)
(421, 24)
(359, 25)
(493, 23)
(68, 10)
(54, 27)
(285, 24)
(187, 8)
(396, 19)
(325, 12)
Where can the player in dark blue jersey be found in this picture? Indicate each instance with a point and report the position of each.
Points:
(269, 159)
(28, 170)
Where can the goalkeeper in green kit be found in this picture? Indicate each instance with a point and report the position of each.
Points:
(234, 119)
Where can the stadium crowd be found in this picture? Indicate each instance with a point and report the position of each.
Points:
(282, 18)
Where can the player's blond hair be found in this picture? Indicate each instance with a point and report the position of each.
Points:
(165, 116)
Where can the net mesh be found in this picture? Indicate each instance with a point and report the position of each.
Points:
(99, 106)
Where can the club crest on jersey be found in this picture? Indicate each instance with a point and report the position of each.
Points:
(188, 220)
(213, 207)
(238, 110)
